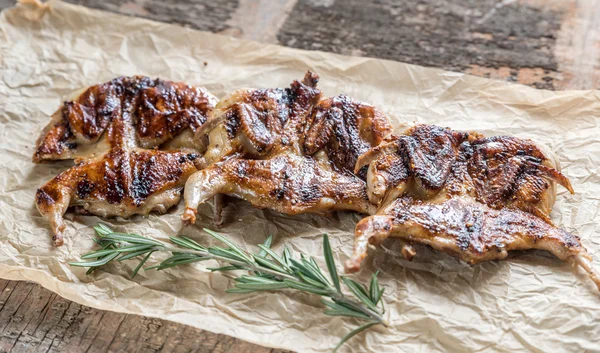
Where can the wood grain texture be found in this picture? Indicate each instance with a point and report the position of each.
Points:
(450, 34)
(509, 40)
(207, 15)
(33, 319)
(550, 44)
(553, 44)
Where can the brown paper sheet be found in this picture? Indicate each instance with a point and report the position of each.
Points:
(530, 303)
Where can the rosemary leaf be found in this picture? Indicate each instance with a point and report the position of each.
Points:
(228, 254)
(187, 243)
(342, 309)
(287, 256)
(135, 248)
(102, 229)
(337, 305)
(132, 255)
(311, 281)
(359, 291)
(132, 239)
(381, 290)
(242, 279)
(232, 246)
(264, 262)
(262, 286)
(346, 312)
(163, 266)
(348, 305)
(178, 257)
(306, 287)
(374, 289)
(139, 266)
(90, 270)
(363, 290)
(100, 262)
(271, 253)
(224, 268)
(307, 271)
(107, 243)
(312, 264)
(97, 254)
(255, 279)
(268, 242)
(353, 333)
(331, 263)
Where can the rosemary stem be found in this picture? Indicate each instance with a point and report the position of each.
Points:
(246, 265)
(334, 294)
(359, 306)
(266, 271)
(187, 251)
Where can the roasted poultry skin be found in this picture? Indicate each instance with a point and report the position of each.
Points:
(500, 171)
(473, 197)
(287, 150)
(113, 132)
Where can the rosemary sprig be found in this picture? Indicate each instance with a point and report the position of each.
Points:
(268, 271)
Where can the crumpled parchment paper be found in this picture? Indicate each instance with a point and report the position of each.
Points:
(532, 302)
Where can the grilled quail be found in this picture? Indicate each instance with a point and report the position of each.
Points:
(109, 130)
(473, 197)
(287, 150)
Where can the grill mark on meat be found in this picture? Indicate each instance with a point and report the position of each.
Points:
(43, 197)
(114, 187)
(232, 123)
(158, 109)
(84, 188)
(475, 228)
(142, 181)
(345, 129)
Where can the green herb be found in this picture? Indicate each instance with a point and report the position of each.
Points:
(268, 271)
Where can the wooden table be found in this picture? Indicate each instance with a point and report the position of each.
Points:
(549, 44)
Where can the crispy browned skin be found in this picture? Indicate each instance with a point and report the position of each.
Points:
(500, 171)
(158, 111)
(287, 150)
(286, 183)
(105, 129)
(345, 129)
(122, 183)
(469, 230)
(515, 173)
(259, 123)
(475, 198)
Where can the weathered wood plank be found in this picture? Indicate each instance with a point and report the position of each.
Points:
(33, 319)
(551, 44)
(455, 35)
(25, 320)
(578, 46)
(207, 15)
